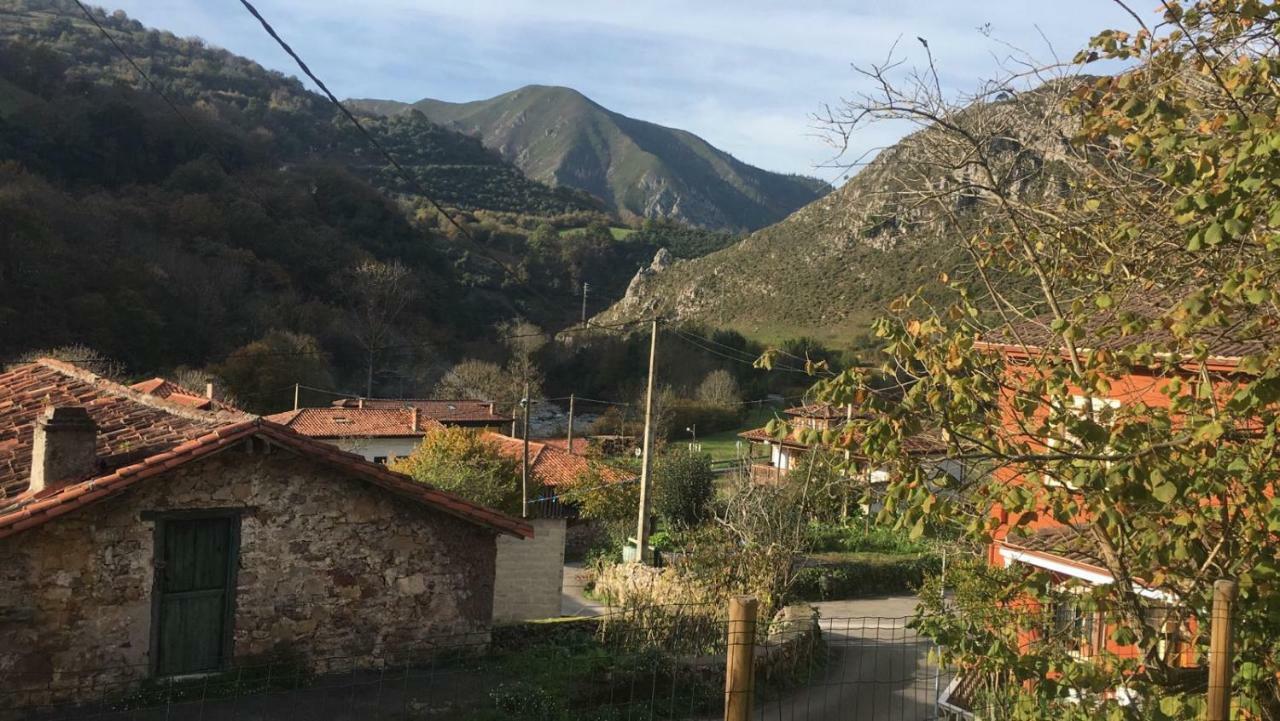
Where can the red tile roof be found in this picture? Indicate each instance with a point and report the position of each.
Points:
(580, 445)
(160, 435)
(1035, 335)
(167, 389)
(446, 411)
(356, 422)
(551, 466)
(131, 425)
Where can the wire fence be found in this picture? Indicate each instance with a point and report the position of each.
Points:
(653, 663)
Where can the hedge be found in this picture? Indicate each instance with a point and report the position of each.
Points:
(859, 575)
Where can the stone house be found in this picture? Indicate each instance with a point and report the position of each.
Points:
(144, 538)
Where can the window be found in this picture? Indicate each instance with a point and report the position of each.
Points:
(1074, 625)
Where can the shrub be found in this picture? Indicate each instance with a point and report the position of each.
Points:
(463, 461)
(855, 537)
(872, 575)
(708, 417)
(684, 484)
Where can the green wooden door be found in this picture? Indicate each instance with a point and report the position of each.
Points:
(195, 577)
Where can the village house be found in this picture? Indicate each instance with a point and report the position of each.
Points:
(457, 412)
(141, 537)
(1067, 551)
(380, 435)
(786, 453)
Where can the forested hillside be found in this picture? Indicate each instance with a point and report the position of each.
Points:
(836, 264)
(639, 169)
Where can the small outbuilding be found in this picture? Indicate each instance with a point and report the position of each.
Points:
(142, 537)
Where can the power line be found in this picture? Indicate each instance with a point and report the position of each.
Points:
(408, 177)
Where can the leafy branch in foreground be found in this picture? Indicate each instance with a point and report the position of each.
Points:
(1108, 353)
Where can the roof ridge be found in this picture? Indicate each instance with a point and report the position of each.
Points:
(146, 399)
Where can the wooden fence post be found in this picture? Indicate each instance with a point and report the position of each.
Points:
(1221, 654)
(739, 671)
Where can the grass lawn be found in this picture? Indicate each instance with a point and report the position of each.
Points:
(723, 445)
(618, 233)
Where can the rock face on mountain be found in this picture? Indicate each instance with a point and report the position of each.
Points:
(640, 170)
(831, 267)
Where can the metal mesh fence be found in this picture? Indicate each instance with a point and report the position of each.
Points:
(864, 668)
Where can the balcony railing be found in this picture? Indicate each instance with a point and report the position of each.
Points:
(767, 473)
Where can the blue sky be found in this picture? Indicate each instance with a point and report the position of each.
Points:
(744, 75)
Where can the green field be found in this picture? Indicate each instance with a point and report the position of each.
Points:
(723, 446)
(618, 233)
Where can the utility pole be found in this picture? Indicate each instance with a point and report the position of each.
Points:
(571, 422)
(585, 286)
(646, 463)
(296, 386)
(524, 467)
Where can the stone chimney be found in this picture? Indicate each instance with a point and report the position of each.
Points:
(413, 414)
(62, 448)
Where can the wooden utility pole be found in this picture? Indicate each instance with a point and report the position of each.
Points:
(1221, 653)
(524, 466)
(585, 286)
(739, 671)
(571, 422)
(646, 450)
(295, 395)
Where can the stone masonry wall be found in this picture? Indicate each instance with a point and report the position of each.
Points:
(530, 573)
(330, 566)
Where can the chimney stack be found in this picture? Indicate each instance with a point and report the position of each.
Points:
(62, 448)
(413, 412)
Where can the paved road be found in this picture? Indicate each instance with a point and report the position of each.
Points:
(573, 602)
(877, 669)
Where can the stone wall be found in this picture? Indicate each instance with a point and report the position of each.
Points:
(530, 573)
(329, 567)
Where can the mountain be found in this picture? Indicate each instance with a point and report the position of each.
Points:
(173, 235)
(641, 170)
(833, 266)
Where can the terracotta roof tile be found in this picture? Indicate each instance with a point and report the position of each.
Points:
(163, 388)
(131, 425)
(356, 422)
(551, 466)
(156, 435)
(446, 411)
(1035, 334)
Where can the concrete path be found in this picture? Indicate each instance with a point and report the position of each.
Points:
(877, 668)
(573, 599)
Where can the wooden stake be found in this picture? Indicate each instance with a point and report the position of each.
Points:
(739, 671)
(646, 450)
(1220, 651)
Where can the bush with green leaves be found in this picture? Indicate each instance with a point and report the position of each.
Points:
(684, 485)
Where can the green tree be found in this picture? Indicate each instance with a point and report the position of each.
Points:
(261, 374)
(463, 461)
(1159, 256)
(684, 485)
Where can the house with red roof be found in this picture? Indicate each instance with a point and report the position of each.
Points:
(552, 466)
(457, 412)
(1068, 552)
(785, 452)
(143, 537)
(380, 435)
